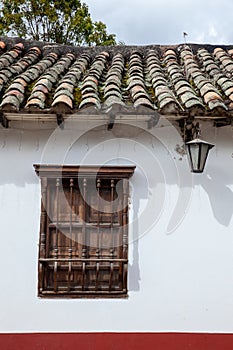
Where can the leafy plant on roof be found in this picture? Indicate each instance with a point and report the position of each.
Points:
(60, 21)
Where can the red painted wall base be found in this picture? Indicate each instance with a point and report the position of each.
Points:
(116, 341)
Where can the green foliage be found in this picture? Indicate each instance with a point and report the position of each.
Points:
(60, 21)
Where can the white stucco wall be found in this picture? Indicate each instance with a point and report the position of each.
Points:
(181, 236)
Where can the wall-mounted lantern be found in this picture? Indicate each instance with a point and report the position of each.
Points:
(197, 151)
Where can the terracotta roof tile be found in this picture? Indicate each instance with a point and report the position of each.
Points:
(113, 82)
(63, 99)
(173, 80)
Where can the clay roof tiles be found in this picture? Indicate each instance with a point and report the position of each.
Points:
(179, 80)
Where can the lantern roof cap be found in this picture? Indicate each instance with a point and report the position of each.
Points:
(198, 141)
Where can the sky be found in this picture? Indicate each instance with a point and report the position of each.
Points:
(144, 22)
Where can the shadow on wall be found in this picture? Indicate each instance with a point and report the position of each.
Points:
(134, 269)
(220, 195)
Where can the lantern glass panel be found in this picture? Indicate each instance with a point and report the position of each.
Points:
(194, 150)
(204, 150)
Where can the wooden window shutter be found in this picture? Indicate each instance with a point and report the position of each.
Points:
(83, 247)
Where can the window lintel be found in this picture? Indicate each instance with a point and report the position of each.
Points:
(67, 171)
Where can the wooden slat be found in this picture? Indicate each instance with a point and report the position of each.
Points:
(112, 188)
(125, 272)
(69, 275)
(98, 219)
(71, 216)
(70, 233)
(57, 217)
(55, 276)
(84, 249)
(97, 275)
(125, 217)
(112, 217)
(43, 219)
(41, 277)
(98, 184)
(83, 274)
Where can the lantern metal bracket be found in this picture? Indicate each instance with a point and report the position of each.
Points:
(60, 120)
(189, 129)
(196, 131)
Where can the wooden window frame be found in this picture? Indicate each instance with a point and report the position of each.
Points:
(105, 269)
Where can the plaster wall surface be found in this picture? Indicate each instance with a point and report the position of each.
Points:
(180, 232)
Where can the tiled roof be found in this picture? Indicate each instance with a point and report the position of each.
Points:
(177, 80)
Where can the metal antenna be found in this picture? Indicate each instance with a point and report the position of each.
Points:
(184, 35)
(185, 42)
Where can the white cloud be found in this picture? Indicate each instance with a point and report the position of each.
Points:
(213, 32)
(164, 21)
